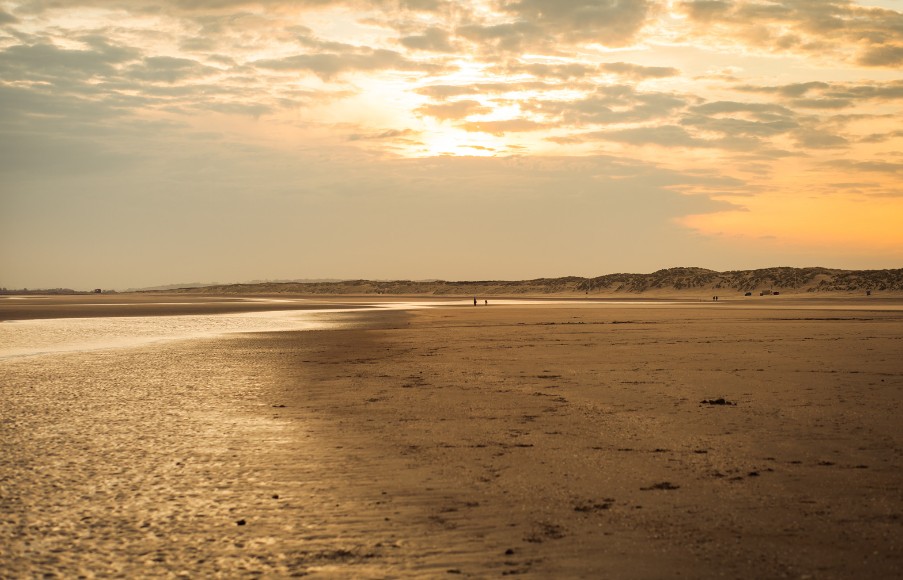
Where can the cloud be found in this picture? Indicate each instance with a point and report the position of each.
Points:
(454, 109)
(809, 138)
(48, 62)
(499, 128)
(637, 72)
(793, 90)
(577, 70)
(822, 95)
(565, 71)
(675, 136)
(87, 90)
(882, 137)
(885, 167)
(823, 103)
(735, 126)
(237, 108)
(759, 111)
(187, 6)
(7, 18)
(425, 5)
(387, 135)
(607, 22)
(66, 88)
(508, 37)
(664, 135)
(432, 40)
(444, 91)
(167, 69)
(610, 104)
(887, 55)
(545, 26)
(707, 10)
(839, 29)
(214, 6)
(328, 65)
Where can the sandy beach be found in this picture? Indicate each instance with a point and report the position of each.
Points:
(744, 439)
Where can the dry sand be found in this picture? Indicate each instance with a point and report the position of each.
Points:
(554, 441)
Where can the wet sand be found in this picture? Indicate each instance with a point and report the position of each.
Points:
(543, 441)
(91, 306)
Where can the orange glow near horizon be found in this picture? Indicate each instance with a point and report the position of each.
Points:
(842, 221)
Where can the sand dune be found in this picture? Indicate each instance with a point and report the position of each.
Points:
(673, 281)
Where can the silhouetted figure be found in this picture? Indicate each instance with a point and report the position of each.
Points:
(474, 300)
(485, 302)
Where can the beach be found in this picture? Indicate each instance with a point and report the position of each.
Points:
(562, 439)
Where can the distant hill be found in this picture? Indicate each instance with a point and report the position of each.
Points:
(187, 285)
(664, 282)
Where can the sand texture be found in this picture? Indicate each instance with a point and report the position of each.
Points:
(555, 441)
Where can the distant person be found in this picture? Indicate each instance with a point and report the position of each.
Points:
(474, 300)
(486, 302)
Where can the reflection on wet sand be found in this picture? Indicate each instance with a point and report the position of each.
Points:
(55, 335)
(144, 462)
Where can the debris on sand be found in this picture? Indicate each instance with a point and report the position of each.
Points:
(665, 485)
(545, 531)
(594, 506)
(718, 401)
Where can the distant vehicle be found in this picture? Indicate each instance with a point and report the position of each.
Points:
(748, 294)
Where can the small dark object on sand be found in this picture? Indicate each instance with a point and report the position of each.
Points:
(594, 506)
(718, 401)
(665, 485)
(241, 522)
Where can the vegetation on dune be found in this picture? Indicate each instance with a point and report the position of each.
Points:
(780, 279)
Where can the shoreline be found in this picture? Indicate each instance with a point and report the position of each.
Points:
(174, 304)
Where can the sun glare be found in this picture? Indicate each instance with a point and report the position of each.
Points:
(450, 141)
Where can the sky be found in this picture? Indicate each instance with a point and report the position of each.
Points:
(175, 141)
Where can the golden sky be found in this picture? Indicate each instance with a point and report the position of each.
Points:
(149, 142)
